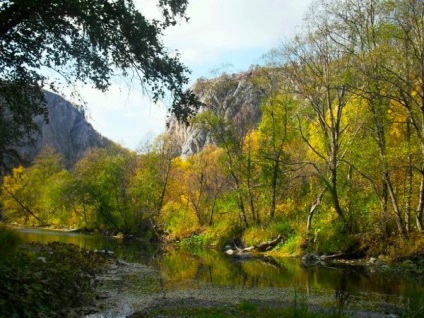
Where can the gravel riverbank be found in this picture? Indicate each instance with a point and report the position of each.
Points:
(135, 290)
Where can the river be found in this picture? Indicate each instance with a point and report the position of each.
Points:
(183, 270)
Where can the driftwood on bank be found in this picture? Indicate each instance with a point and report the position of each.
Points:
(333, 256)
(261, 247)
(269, 245)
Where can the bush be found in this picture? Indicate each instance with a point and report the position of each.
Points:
(332, 238)
(292, 246)
(192, 241)
(221, 233)
(258, 234)
(255, 235)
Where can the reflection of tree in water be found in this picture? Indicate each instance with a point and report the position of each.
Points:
(215, 269)
(342, 294)
(258, 272)
(205, 272)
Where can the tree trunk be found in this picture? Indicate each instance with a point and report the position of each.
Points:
(409, 181)
(399, 221)
(274, 189)
(384, 211)
(314, 206)
(269, 245)
(420, 207)
(243, 215)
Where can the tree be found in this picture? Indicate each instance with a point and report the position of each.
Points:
(34, 192)
(385, 42)
(151, 181)
(82, 41)
(369, 50)
(205, 183)
(275, 133)
(405, 80)
(18, 197)
(227, 120)
(104, 176)
(320, 74)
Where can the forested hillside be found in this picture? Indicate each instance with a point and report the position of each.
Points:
(334, 161)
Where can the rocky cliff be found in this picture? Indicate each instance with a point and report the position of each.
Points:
(236, 98)
(67, 131)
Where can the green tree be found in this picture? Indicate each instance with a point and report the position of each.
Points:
(104, 178)
(82, 41)
(150, 183)
(320, 75)
(368, 28)
(385, 42)
(403, 74)
(275, 133)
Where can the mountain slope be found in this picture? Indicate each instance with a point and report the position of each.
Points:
(67, 132)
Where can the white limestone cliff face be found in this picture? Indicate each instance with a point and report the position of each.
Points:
(234, 97)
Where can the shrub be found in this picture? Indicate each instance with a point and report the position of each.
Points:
(221, 233)
(258, 234)
(332, 238)
(292, 246)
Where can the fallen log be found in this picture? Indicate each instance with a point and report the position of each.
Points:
(269, 245)
(261, 247)
(333, 256)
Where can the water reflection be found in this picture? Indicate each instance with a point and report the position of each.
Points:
(181, 268)
(196, 268)
(131, 251)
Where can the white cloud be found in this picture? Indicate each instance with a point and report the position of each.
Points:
(219, 32)
(124, 116)
(222, 25)
(218, 26)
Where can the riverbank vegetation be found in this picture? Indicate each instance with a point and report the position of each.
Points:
(335, 164)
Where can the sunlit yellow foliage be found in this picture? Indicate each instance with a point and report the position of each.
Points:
(355, 112)
(257, 234)
(177, 220)
(286, 208)
(14, 185)
(290, 247)
(316, 141)
(398, 116)
(251, 142)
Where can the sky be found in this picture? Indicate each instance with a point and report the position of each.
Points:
(221, 35)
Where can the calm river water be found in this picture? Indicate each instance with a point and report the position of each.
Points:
(184, 269)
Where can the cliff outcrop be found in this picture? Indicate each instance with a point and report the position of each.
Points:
(235, 98)
(67, 132)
